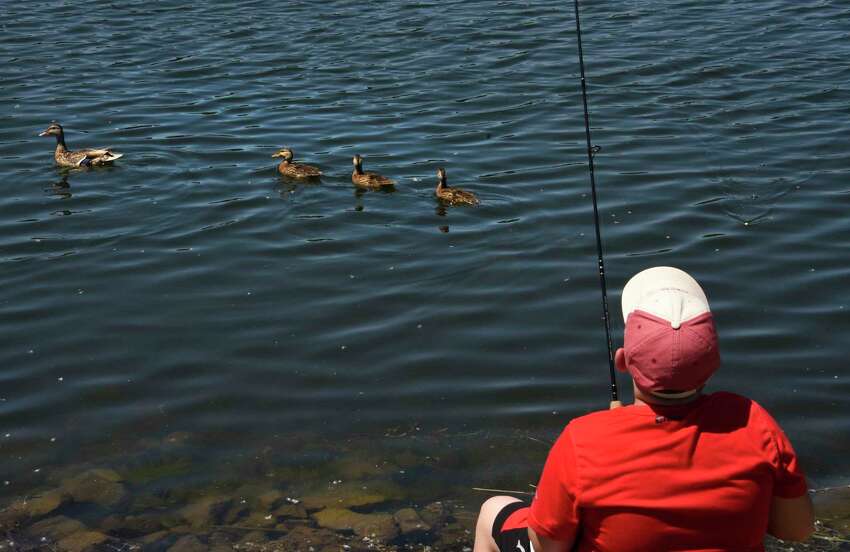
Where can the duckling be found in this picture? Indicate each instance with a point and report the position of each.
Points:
(295, 170)
(368, 179)
(80, 158)
(454, 196)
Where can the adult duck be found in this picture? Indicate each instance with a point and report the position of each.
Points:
(454, 196)
(80, 158)
(368, 179)
(294, 170)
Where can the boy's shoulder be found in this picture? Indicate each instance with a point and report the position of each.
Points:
(720, 403)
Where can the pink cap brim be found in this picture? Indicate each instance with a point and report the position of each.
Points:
(662, 358)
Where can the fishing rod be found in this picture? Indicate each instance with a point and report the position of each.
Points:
(591, 152)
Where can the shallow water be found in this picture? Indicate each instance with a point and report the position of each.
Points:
(286, 327)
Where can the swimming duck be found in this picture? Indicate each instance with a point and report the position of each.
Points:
(368, 179)
(455, 196)
(295, 170)
(80, 158)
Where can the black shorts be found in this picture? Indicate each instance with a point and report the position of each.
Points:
(510, 528)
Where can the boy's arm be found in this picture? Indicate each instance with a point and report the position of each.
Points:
(791, 519)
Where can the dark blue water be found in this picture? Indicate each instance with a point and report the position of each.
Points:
(287, 328)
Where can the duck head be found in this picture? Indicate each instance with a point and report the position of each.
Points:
(285, 153)
(441, 176)
(358, 164)
(55, 129)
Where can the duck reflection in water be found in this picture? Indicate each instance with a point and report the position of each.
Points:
(358, 198)
(61, 188)
(359, 193)
(441, 211)
(289, 187)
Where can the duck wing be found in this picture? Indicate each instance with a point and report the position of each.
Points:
(467, 197)
(308, 170)
(375, 179)
(71, 158)
(97, 156)
(457, 196)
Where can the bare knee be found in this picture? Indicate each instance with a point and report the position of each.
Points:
(489, 510)
(493, 505)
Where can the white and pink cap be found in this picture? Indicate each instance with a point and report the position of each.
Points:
(670, 339)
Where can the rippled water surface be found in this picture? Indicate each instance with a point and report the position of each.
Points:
(190, 290)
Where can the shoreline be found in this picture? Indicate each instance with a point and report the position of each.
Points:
(96, 510)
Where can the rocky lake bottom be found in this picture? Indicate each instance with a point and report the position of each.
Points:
(350, 501)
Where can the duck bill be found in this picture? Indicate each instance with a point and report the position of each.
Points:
(278, 154)
(43, 133)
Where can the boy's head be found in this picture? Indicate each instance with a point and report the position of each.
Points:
(670, 346)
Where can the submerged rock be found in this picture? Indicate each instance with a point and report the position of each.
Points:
(291, 511)
(410, 523)
(32, 508)
(236, 513)
(148, 501)
(81, 541)
(434, 513)
(381, 527)
(301, 538)
(206, 511)
(357, 467)
(99, 486)
(132, 525)
(351, 495)
(157, 542)
(453, 536)
(157, 468)
(260, 519)
(252, 539)
(220, 538)
(269, 499)
(56, 528)
(188, 543)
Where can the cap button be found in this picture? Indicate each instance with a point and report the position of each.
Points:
(678, 305)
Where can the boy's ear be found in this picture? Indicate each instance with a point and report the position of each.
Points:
(620, 359)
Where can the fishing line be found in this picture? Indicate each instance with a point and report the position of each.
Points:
(591, 152)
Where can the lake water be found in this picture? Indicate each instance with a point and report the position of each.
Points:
(283, 330)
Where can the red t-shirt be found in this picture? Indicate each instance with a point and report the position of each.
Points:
(699, 476)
